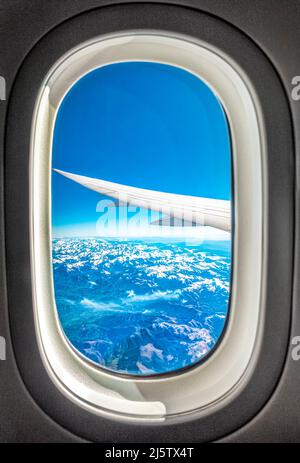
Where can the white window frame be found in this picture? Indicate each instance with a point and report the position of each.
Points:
(213, 383)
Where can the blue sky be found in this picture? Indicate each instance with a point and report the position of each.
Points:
(142, 124)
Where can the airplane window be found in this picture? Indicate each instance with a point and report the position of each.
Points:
(141, 218)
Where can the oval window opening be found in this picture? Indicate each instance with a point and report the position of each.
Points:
(141, 218)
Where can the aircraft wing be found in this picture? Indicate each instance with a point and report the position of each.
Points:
(176, 209)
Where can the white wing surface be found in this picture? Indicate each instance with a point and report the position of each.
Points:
(187, 210)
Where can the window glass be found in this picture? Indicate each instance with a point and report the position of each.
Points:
(141, 218)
